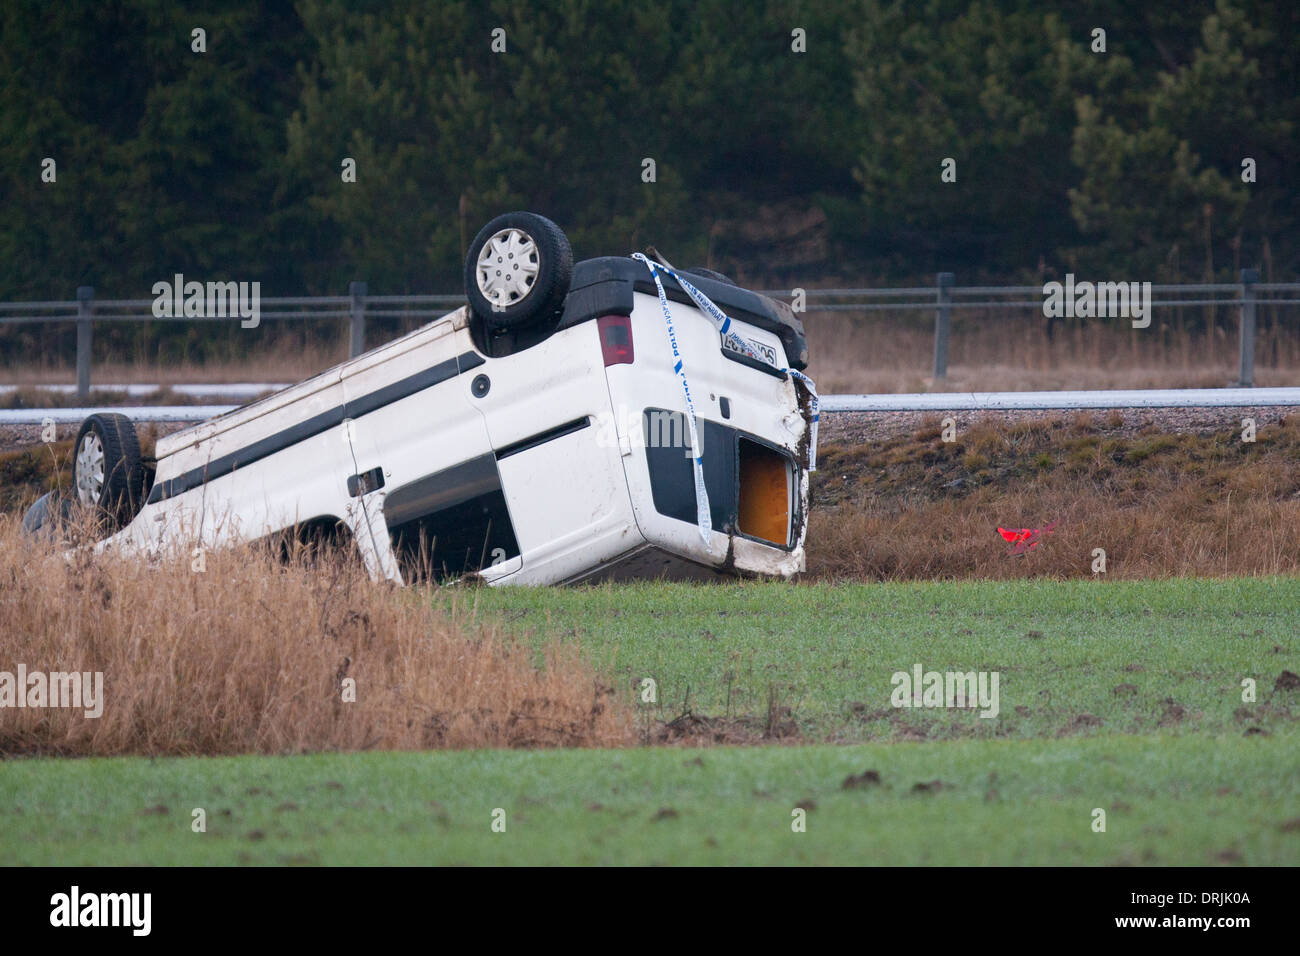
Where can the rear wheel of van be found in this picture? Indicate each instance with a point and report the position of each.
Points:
(108, 473)
(49, 517)
(517, 272)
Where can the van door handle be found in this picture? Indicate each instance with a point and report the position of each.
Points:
(366, 482)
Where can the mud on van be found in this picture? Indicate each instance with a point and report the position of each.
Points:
(570, 423)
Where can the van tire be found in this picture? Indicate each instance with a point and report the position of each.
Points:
(710, 274)
(49, 517)
(502, 294)
(107, 470)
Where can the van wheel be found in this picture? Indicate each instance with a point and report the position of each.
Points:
(710, 274)
(49, 517)
(107, 471)
(517, 272)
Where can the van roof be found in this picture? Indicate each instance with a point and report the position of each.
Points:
(606, 285)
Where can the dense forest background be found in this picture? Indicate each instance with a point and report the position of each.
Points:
(778, 166)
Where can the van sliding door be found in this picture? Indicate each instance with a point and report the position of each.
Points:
(425, 472)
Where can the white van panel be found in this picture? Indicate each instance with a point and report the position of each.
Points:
(758, 403)
(256, 498)
(566, 495)
(568, 499)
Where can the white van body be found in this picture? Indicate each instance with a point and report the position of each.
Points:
(541, 466)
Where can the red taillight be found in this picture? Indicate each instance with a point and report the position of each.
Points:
(616, 339)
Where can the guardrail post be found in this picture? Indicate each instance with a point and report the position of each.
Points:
(85, 309)
(942, 320)
(358, 292)
(1246, 378)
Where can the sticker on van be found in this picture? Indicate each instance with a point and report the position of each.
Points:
(763, 351)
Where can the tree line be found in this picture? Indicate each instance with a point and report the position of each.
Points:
(307, 144)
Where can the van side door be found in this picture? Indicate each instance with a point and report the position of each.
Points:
(424, 473)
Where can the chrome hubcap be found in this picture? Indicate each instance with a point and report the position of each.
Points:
(507, 267)
(90, 469)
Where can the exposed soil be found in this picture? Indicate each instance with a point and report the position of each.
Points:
(858, 428)
(1160, 492)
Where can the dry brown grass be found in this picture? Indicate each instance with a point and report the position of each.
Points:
(30, 396)
(277, 364)
(884, 353)
(27, 473)
(287, 352)
(1160, 505)
(251, 655)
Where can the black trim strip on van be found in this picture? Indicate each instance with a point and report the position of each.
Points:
(559, 431)
(427, 378)
(441, 490)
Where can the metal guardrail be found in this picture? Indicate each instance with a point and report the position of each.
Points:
(830, 404)
(353, 308)
(1030, 401)
(943, 297)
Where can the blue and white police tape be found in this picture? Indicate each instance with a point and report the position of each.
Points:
(724, 326)
(703, 518)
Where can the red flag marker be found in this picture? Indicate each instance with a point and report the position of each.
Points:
(1024, 538)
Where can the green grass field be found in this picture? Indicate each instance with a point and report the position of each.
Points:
(1189, 800)
(1186, 771)
(1138, 656)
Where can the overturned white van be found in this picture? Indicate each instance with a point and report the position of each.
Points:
(571, 423)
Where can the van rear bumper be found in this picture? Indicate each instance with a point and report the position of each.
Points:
(606, 286)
